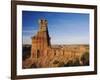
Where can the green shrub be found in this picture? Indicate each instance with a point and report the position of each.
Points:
(85, 58)
(55, 62)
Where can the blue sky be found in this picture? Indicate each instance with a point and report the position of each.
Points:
(64, 28)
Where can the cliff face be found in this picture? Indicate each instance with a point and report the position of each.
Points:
(71, 55)
(43, 54)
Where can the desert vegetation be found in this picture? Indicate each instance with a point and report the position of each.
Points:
(26, 50)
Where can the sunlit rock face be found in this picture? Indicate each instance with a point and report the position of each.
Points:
(43, 54)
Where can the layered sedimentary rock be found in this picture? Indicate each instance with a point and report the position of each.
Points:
(43, 54)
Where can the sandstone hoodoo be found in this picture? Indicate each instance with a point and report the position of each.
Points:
(44, 54)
